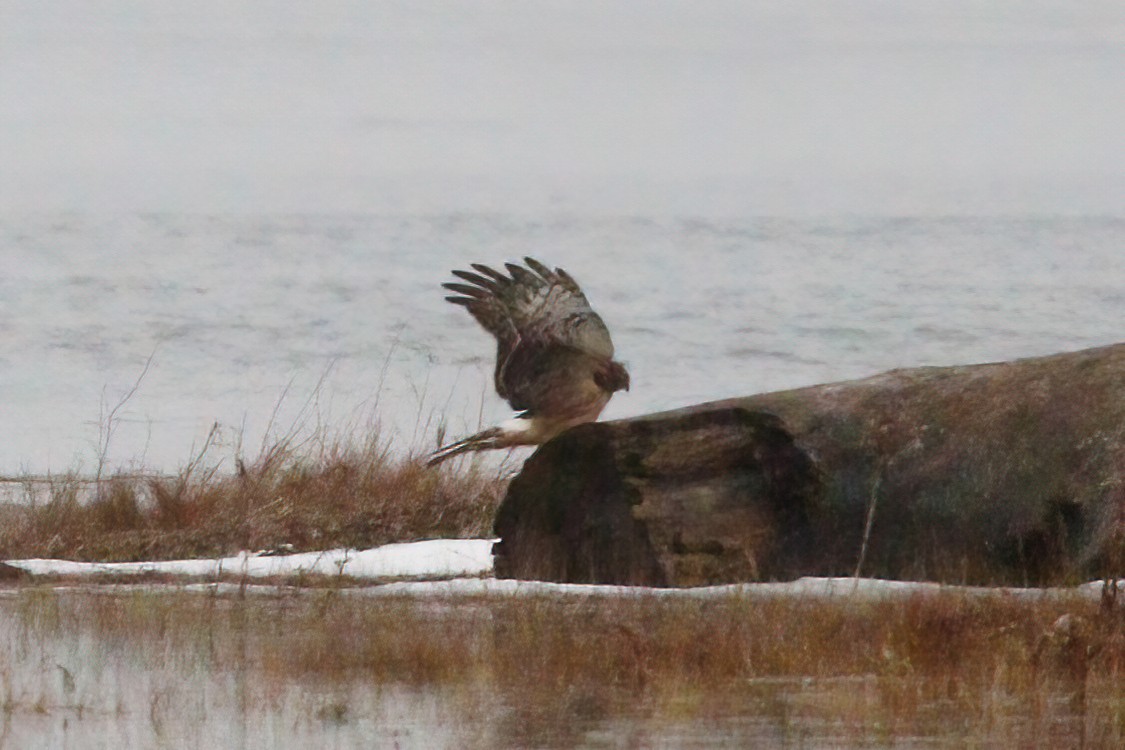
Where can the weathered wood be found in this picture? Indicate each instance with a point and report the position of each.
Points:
(1000, 473)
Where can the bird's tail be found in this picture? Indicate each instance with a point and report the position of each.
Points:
(481, 441)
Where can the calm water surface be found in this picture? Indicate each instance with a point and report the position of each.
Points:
(269, 323)
(262, 199)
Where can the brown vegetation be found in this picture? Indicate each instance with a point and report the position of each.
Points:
(546, 671)
(342, 496)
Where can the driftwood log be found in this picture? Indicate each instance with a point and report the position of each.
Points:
(1007, 473)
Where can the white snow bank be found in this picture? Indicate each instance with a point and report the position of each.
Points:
(861, 590)
(435, 558)
(466, 564)
(804, 588)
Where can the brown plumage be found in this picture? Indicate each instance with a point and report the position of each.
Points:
(554, 356)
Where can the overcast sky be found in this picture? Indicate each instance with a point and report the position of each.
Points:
(611, 106)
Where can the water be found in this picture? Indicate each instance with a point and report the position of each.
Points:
(261, 198)
(244, 316)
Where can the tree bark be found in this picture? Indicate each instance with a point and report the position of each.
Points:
(1008, 473)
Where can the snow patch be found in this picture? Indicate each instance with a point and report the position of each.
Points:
(444, 558)
(465, 568)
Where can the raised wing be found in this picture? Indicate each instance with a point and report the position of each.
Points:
(532, 312)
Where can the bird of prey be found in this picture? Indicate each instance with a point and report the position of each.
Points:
(554, 356)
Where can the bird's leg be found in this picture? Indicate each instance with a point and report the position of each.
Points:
(481, 441)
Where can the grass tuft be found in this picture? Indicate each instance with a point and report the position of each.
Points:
(339, 496)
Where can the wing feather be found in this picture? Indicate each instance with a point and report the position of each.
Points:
(547, 274)
(481, 281)
(521, 276)
(535, 313)
(496, 275)
(470, 291)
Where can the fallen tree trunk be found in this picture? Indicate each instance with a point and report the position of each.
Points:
(1007, 473)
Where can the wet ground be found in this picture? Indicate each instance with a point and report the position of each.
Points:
(141, 667)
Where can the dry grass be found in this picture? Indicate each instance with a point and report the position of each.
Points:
(336, 496)
(540, 671)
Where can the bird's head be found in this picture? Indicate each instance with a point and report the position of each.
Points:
(613, 378)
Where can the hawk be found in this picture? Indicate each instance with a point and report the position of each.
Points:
(554, 356)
